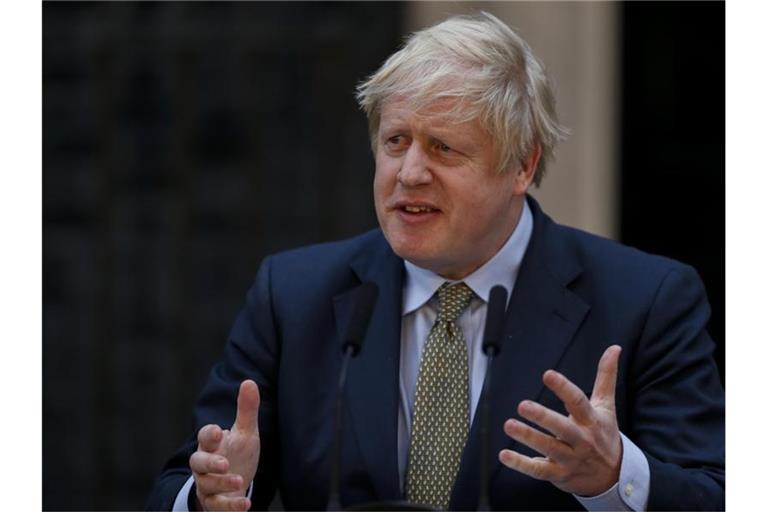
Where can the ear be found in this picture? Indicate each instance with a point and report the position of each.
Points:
(525, 173)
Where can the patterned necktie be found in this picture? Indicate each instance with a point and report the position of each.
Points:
(441, 411)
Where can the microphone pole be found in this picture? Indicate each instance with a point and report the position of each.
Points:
(351, 341)
(492, 337)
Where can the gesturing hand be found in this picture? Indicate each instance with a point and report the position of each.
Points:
(584, 455)
(226, 460)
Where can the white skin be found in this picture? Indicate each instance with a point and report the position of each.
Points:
(428, 160)
(226, 460)
(465, 212)
(582, 454)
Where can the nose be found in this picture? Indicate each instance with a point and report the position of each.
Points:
(414, 170)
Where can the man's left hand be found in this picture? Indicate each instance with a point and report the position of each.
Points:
(583, 456)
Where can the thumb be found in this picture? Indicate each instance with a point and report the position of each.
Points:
(248, 399)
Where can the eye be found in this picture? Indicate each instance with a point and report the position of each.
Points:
(396, 142)
(441, 147)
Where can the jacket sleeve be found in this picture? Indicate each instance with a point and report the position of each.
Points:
(679, 414)
(251, 352)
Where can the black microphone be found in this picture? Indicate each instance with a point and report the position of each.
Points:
(492, 338)
(351, 342)
(494, 320)
(352, 337)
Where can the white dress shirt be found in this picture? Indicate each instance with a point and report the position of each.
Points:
(419, 313)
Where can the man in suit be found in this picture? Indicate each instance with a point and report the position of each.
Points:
(462, 123)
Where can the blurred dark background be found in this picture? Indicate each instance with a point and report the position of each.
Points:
(673, 140)
(183, 142)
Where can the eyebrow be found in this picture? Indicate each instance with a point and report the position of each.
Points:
(440, 128)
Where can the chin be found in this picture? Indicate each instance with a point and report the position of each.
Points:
(423, 257)
(413, 249)
(431, 257)
(413, 254)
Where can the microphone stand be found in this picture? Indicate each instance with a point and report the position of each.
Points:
(352, 339)
(334, 503)
(483, 504)
(494, 330)
(333, 500)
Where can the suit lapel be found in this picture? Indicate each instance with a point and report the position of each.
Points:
(372, 384)
(542, 317)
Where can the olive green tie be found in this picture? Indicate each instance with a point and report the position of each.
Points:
(441, 410)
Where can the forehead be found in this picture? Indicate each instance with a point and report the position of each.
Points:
(444, 114)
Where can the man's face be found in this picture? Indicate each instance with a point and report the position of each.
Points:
(439, 200)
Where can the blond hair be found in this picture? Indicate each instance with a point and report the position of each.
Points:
(488, 69)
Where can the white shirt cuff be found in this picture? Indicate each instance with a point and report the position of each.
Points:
(632, 489)
(182, 499)
(180, 505)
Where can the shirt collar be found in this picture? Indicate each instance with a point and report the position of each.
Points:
(421, 284)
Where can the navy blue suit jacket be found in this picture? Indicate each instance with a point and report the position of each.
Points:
(576, 294)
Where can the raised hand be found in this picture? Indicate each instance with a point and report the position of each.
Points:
(583, 456)
(226, 460)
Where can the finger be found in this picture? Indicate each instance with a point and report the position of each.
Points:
(204, 462)
(209, 437)
(604, 389)
(248, 399)
(576, 402)
(535, 467)
(210, 483)
(219, 502)
(539, 441)
(550, 420)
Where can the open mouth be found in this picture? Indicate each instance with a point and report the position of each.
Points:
(410, 212)
(418, 209)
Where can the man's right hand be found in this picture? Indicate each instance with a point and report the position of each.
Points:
(226, 460)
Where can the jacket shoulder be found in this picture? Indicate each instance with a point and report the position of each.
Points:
(612, 259)
(327, 255)
(615, 278)
(319, 269)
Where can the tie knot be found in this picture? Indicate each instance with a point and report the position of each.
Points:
(452, 300)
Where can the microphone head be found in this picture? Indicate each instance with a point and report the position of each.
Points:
(362, 310)
(494, 320)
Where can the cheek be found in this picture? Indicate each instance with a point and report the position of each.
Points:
(382, 189)
(379, 183)
(385, 177)
(483, 202)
